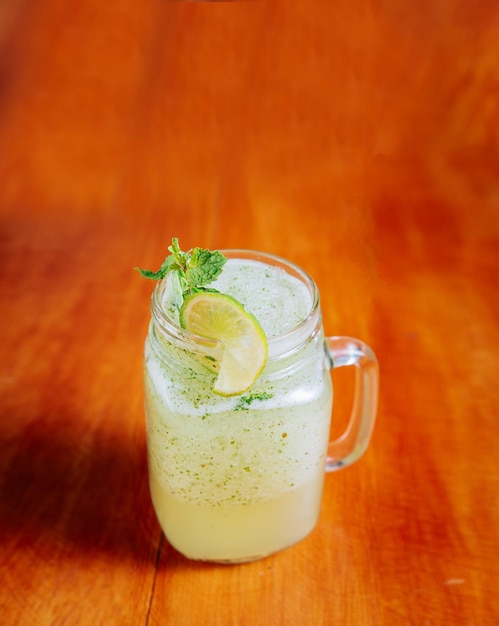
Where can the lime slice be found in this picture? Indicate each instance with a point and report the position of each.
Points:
(218, 316)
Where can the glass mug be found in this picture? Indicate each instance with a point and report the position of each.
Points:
(235, 479)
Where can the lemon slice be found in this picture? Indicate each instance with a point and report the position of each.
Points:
(218, 316)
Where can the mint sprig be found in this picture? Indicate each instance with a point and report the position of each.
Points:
(195, 269)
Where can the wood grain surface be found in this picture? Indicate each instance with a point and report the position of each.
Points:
(359, 139)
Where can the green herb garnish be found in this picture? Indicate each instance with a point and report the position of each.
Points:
(195, 268)
(244, 401)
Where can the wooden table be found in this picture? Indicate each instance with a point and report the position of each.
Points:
(358, 139)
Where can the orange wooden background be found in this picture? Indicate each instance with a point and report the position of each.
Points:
(359, 139)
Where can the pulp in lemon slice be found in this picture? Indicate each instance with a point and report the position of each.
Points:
(218, 316)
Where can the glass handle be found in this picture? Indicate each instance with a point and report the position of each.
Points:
(343, 351)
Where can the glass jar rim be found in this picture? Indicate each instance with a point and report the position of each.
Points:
(279, 346)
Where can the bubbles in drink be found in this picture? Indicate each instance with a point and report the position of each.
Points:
(278, 300)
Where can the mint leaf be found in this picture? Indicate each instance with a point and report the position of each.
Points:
(195, 268)
(203, 267)
(175, 248)
(161, 273)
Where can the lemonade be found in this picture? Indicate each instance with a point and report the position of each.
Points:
(237, 478)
